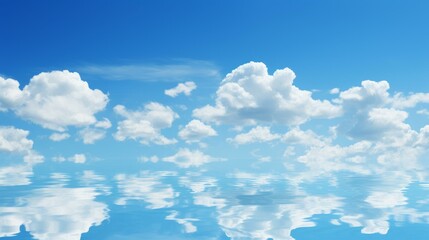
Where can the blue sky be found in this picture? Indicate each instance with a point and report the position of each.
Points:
(209, 93)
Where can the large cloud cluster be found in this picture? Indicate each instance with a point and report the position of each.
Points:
(249, 95)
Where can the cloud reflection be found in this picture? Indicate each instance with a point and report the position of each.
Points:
(54, 213)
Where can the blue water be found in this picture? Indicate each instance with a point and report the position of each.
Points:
(66, 203)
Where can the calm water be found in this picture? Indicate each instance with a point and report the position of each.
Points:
(129, 202)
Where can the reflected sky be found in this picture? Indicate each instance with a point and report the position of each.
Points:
(218, 205)
(217, 120)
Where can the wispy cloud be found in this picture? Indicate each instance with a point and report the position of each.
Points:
(179, 70)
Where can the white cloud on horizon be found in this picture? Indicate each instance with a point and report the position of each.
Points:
(186, 158)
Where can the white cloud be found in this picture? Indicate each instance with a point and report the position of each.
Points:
(185, 88)
(14, 140)
(179, 71)
(145, 125)
(249, 95)
(77, 158)
(423, 112)
(195, 130)
(186, 158)
(54, 100)
(146, 187)
(56, 137)
(105, 124)
(67, 213)
(10, 95)
(306, 138)
(400, 101)
(256, 134)
(368, 114)
(91, 135)
(334, 91)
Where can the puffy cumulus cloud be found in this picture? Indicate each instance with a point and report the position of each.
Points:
(196, 130)
(147, 187)
(186, 158)
(256, 134)
(56, 137)
(67, 213)
(185, 88)
(14, 140)
(54, 100)
(145, 125)
(186, 222)
(369, 94)
(249, 95)
(371, 113)
(10, 95)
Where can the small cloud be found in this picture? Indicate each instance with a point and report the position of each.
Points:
(423, 112)
(196, 130)
(185, 88)
(257, 134)
(56, 137)
(334, 91)
(77, 158)
(105, 123)
(91, 135)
